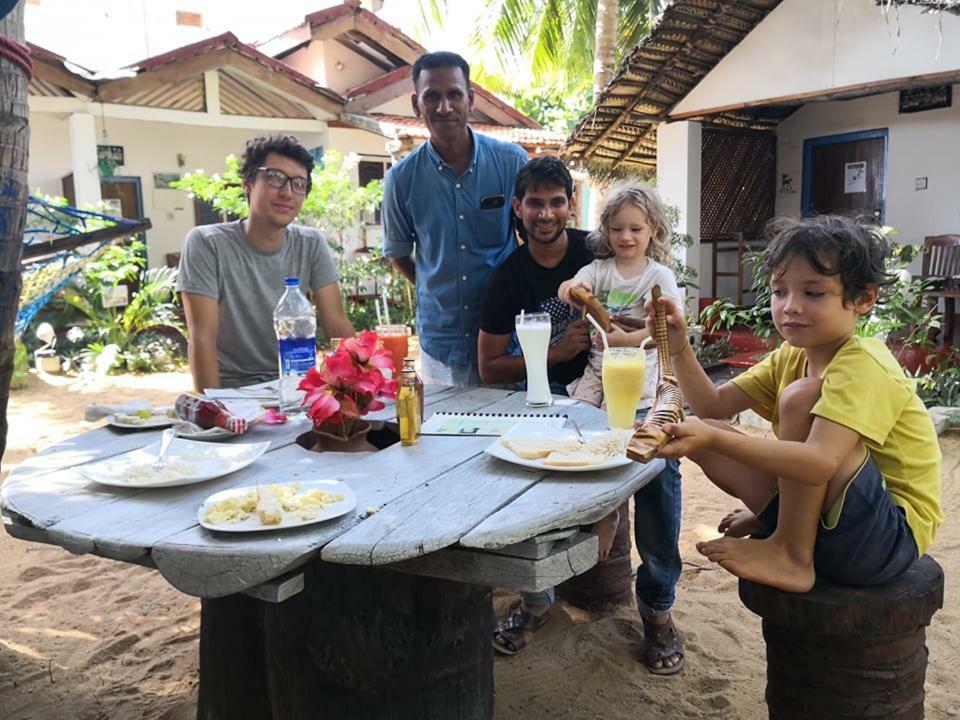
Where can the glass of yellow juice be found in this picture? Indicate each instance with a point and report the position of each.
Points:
(622, 373)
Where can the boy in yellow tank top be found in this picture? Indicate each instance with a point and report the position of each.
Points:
(850, 487)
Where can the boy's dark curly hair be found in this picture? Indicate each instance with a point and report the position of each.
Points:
(287, 145)
(832, 245)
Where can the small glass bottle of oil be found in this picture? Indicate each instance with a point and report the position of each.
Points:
(408, 408)
(408, 364)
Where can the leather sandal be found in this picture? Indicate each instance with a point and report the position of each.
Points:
(661, 641)
(509, 637)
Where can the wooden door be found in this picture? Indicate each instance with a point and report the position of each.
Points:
(846, 174)
(126, 190)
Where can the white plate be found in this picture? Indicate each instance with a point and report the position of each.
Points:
(252, 523)
(187, 462)
(159, 420)
(503, 453)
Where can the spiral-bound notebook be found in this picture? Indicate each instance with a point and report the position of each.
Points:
(451, 423)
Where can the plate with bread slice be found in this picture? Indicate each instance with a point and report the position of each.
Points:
(562, 451)
(276, 506)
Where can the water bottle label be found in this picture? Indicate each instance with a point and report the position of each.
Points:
(297, 355)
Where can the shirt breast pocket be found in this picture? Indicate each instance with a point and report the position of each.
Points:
(491, 226)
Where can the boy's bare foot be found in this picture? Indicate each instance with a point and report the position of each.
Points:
(740, 523)
(606, 530)
(763, 561)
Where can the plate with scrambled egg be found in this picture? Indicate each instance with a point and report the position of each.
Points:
(276, 506)
(562, 451)
(186, 462)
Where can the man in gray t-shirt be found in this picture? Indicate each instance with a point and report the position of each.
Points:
(231, 274)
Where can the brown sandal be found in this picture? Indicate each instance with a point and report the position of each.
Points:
(509, 638)
(661, 641)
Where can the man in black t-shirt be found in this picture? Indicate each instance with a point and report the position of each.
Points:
(529, 278)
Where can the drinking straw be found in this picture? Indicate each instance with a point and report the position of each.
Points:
(386, 309)
(376, 303)
(603, 335)
(522, 311)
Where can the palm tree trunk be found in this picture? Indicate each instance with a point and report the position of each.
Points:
(604, 65)
(14, 147)
(605, 45)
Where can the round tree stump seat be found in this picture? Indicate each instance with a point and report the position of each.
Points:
(848, 652)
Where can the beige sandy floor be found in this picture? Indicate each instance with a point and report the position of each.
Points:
(93, 639)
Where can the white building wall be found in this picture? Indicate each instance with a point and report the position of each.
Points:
(149, 147)
(814, 45)
(921, 145)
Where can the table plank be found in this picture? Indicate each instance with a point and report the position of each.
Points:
(560, 500)
(208, 564)
(437, 514)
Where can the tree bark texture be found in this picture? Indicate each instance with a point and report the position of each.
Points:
(14, 147)
(605, 45)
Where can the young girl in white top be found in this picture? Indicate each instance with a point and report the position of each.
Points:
(632, 247)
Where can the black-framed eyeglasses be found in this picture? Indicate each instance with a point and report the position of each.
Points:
(278, 178)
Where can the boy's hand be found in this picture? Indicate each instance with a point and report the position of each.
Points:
(676, 324)
(686, 438)
(563, 292)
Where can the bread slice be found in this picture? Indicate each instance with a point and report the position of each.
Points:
(573, 459)
(534, 448)
(268, 506)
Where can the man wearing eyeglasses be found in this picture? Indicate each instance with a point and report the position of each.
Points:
(231, 274)
(447, 218)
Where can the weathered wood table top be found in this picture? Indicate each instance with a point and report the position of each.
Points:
(443, 492)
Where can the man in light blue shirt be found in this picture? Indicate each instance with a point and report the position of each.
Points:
(447, 219)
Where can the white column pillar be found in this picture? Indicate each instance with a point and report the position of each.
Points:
(679, 161)
(83, 158)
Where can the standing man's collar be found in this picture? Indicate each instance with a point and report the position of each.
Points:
(440, 163)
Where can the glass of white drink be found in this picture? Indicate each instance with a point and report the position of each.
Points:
(533, 330)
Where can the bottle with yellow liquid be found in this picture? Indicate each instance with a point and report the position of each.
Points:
(418, 383)
(408, 408)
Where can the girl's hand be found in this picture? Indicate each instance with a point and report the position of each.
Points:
(676, 324)
(617, 337)
(563, 292)
(687, 437)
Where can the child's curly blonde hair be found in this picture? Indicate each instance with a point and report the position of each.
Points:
(648, 201)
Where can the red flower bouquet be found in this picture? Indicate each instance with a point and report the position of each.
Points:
(348, 386)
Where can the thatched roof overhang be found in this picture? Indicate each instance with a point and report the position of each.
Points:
(619, 134)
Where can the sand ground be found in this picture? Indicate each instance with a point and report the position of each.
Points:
(91, 639)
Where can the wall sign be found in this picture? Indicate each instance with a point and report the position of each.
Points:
(855, 177)
(929, 98)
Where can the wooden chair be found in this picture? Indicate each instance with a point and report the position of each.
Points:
(941, 263)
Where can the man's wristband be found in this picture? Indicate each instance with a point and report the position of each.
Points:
(686, 346)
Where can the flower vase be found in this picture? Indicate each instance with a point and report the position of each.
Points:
(327, 439)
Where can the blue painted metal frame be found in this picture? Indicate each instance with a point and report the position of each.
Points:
(806, 197)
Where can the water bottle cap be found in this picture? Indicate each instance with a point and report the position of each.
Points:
(291, 281)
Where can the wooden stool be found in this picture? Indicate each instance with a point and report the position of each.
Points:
(848, 652)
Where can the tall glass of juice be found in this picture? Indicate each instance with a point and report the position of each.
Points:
(395, 339)
(533, 331)
(622, 374)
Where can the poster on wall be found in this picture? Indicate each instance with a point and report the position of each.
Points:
(855, 177)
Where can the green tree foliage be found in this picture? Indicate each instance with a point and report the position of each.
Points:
(334, 203)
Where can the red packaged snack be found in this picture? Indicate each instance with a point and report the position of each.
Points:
(207, 413)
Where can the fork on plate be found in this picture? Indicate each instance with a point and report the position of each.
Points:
(165, 440)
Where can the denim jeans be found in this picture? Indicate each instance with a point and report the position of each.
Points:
(656, 532)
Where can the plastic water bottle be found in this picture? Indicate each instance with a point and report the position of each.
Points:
(295, 322)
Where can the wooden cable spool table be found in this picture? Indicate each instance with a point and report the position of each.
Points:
(382, 614)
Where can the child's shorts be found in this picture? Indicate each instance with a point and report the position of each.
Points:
(864, 538)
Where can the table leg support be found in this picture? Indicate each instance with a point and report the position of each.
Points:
(357, 643)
